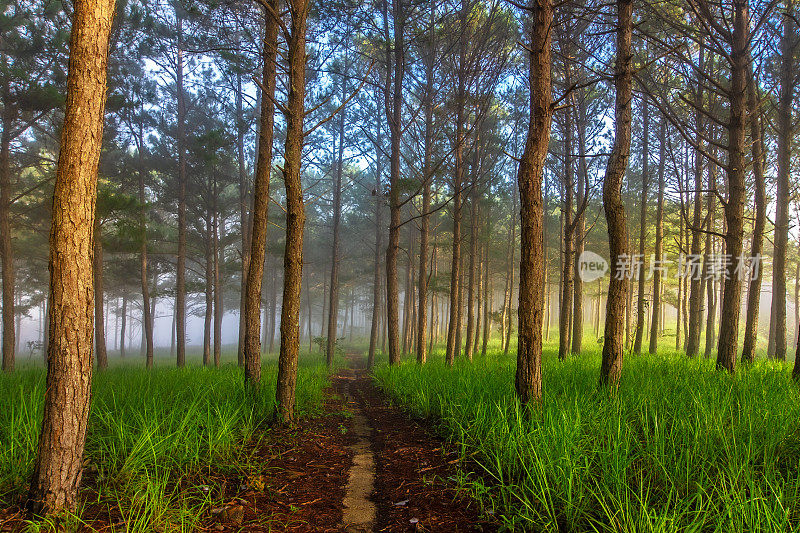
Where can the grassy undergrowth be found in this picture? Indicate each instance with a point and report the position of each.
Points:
(151, 435)
(680, 447)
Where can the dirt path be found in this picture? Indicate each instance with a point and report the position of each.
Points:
(362, 466)
(413, 486)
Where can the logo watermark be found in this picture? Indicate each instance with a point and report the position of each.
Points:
(592, 266)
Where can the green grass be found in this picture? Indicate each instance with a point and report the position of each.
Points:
(150, 433)
(680, 447)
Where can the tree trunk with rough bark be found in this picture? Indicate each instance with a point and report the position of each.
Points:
(695, 295)
(295, 212)
(260, 213)
(59, 459)
(528, 378)
(99, 318)
(394, 102)
(613, 341)
(180, 275)
(737, 190)
(785, 137)
(6, 249)
(333, 302)
(656, 321)
(640, 296)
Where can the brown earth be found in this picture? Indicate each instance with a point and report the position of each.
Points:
(362, 466)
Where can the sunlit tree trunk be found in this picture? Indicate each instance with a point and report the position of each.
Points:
(727, 345)
(394, 103)
(695, 295)
(295, 212)
(427, 177)
(528, 378)
(658, 254)
(640, 296)
(59, 459)
(788, 80)
(613, 342)
(580, 229)
(260, 213)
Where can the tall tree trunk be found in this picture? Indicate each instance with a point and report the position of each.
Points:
(474, 258)
(727, 345)
(567, 259)
(658, 257)
(695, 283)
(784, 118)
(613, 345)
(99, 319)
(147, 316)
(394, 103)
(376, 265)
(640, 299)
(427, 177)
(487, 300)
(333, 305)
(6, 250)
(273, 311)
(711, 293)
(180, 275)
(260, 212)
(218, 306)
(209, 291)
(58, 466)
(123, 325)
(244, 208)
(679, 306)
(580, 229)
(454, 324)
(295, 212)
(528, 378)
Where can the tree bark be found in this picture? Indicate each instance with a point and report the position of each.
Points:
(655, 323)
(6, 249)
(209, 291)
(580, 230)
(244, 208)
(695, 283)
(295, 212)
(454, 324)
(567, 259)
(528, 378)
(613, 342)
(640, 299)
(376, 271)
(260, 212)
(58, 466)
(99, 319)
(737, 192)
(218, 305)
(147, 316)
(180, 275)
(784, 119)
(123, 325)
(333, 304)
(427, 104)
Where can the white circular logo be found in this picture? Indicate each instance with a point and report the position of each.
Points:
(591, 266)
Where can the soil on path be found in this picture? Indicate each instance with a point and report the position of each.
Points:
(363, 466)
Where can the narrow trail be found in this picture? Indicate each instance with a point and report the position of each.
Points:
(401, 477)
(359, 512)
(362, 466)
